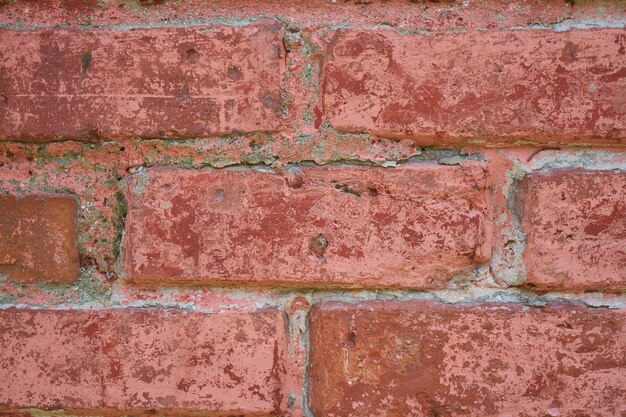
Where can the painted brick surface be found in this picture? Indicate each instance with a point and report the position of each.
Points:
(481, 87)
(38, 239)
(312, 208)
(164, 82)
(414, 226)
(575, 225)
(419, 359)
(405, 15)
(142, 359)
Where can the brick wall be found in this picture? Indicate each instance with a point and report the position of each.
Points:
(313, 208)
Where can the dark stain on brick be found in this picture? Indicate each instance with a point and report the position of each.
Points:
(145, 374)
(85, 63)
(272, 100)
(570, 50)
(151, 2)
(351, 340)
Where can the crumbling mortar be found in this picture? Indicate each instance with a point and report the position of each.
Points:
(593, 159)
(589, 159)
(306, 384)
(259, 298)
(560, 25)
(512, 271)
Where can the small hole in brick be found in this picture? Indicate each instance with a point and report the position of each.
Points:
(295, 181)
(372, 191)
(218, 197)
(234, 73)
(318, 245)
(192, 54)
(344, 188)
(351, 340)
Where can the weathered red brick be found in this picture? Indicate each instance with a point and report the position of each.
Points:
(38, 240)
(528, 86)
(168, 82)
(405, 15)
(142, 359)
(427, 359)
(575, 225)
(414, 226)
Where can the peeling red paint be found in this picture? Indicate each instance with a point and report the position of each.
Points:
(449, 15)
(142, 360)
(575, 225)
(98, 85)
(412, 358)
(245, 178)
(412, 227)
(485, 88)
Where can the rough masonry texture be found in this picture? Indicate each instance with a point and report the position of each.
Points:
(142, 359)
(95, 85)
(424, 359)
(407, 227)
(38, 238)
(575, 223)
(481, 87)
(296, 208)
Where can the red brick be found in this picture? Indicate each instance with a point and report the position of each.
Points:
(414, 226)
(168, 82)
(142, 359)
(405, 15)
(38, 239)
(575, 225)
(527, 86)
(427, 359)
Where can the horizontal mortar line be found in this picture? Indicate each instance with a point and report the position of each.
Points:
(556, 27)
(551, 162)
(126, 96)
(284, 297)
(144, 305)
(18, 26)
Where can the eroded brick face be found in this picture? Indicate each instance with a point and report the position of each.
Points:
(575, 225)
(38, 239)
(142, 359)
(422, 358)
(295, 208)
(415, 226)
(482, 87)
(167, 82)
